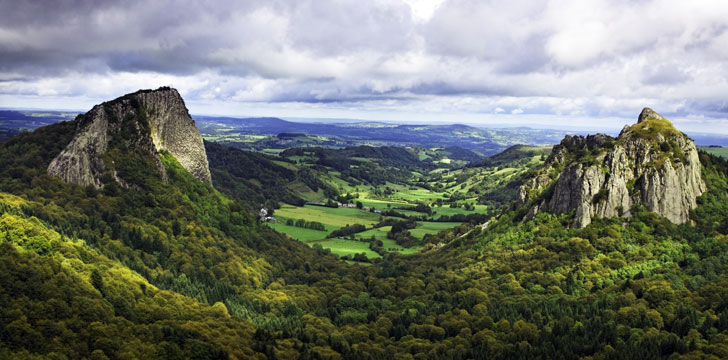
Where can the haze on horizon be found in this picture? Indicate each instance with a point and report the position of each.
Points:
(558, 63)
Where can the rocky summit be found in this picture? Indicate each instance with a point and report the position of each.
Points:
(145, 123)
(650, 163)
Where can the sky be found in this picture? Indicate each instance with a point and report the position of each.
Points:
(552, 63)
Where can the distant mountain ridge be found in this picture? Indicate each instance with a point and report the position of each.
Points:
(481, 140)
(650, 163)
(13, 115)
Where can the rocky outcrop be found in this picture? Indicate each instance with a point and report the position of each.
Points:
(650, 163)
(142, 123)
(173, 129)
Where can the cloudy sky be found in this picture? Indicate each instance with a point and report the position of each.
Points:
(591, 64)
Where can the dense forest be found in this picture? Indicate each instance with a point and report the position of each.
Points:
(177, 269)
(251, 178)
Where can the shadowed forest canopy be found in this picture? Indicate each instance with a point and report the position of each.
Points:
(176, 269)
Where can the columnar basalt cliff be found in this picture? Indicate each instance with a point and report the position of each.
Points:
(142, 123)
(650, 163)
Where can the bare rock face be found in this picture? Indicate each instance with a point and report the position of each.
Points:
(142, 123)
(650, 163)
(173, 129)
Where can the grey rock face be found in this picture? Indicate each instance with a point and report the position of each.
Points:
(151, 121)
(650, 163)
(173, 129)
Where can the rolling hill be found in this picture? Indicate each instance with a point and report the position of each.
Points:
(480, 140)
(159, 264)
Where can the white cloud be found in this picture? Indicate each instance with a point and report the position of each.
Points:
(563, 59)
(422, 10)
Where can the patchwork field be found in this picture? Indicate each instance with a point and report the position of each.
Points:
(335, 218)
(401, 198)
(717, 151)
(332, 218)
(422, 193)
(378, 233)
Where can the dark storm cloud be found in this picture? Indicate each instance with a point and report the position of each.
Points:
(562, 57)
(164, 36)
(445, 88)
(184, 37)
(715, 107)
(33, 13)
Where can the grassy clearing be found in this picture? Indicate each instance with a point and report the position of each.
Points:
(381, 204)
(390, 245)
(286, 165)
(305, 193)
(272, 151)
(387, 244)
(337, 217)
(343, 247)
(409, 212)
(505, 171)
(438, 171)
(339, 182)
(378, 233)
(717, 151)
(430, 227)
(447, 210)
(298, 233)
(419, 195)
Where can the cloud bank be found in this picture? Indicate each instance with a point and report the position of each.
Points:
(560, 61)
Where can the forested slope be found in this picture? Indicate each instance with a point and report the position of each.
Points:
(178, 270)
(251, 178)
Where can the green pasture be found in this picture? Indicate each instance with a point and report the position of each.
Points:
(390, 245)
(447, 210)
(381, 204)
(430, 227)
(343, 247)
(286, 165)
(378, 233)
(419, 195)
(336, 217)
(717, 151)
(408, 212)
(272, 151)
(300, 234)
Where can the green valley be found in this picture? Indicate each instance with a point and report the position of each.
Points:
(375, 252)
(374, 188)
